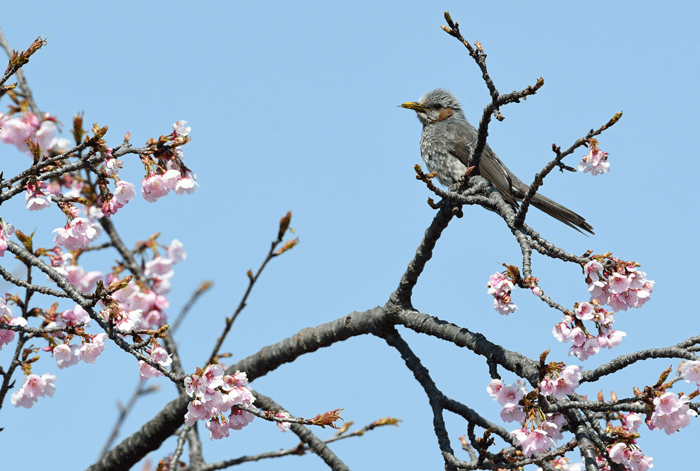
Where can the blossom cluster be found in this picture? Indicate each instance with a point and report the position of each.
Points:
(77, 234)
(133, 309)
(560, 381)
(168, 172)
(33, 388)
(17, 129)
(539, 431)
(625, 451)
(671, 413)
(630, 458)
(500, 287)
(66, 265)
(572, 328)
(160, 356)
(596, 161)
(215, 396)
(136, 307)
(619, 285)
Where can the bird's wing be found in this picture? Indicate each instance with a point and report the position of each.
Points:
(461, 137)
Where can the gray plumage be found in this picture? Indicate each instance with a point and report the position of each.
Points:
(447, 143)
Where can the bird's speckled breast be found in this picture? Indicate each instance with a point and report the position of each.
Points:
(437, 158)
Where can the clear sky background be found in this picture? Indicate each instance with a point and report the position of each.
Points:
(293, 106)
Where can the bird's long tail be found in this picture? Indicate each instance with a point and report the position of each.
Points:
(561, 213)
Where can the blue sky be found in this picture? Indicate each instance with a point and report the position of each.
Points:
(293, 106)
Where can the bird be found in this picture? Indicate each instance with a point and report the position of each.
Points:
(447, 142)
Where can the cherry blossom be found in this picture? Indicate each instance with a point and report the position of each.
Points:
(154, 187)
(215, 394)
(176, 251)
(213, 376)
(66, 355)
(186, 184)
(632, 459)
(33, 388)
(596, 161)
(6, 231)
(158, 355)
(283, 426)
(240, 418)
(690, 371)
(533, 441)
(16, 130)
(561, 384)
(7, 336)
(671, 413)
(36, 198)
(78, 234)
(500, 287)
(89, 352)
(218, 427)
(181, 129)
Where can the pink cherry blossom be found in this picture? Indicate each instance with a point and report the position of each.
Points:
(181, 129)
(283, 426)
(7, 336)
(113, 166)
(632, 459)
(547, 386)
(158, 355)
(510, 395)
(89, 352)
(495, 387)
(500, 287)
(78, 234)
(535, 441)
(153, 187)
(33, 388)
(197, 410)
(619, 453)
(213, 376)
(171, 178)
(596, 161)
(176, 251)
(186, 184)
(561, 384)
(240, 395)
(690, 371)
(66, 355)
(124, 192)
(239, 419)
(17, 130)
(632, 421)
(158, 266)
(218, 428)
(589, 348)
(36, 198)
(513, 413)
(671, 413)
(6, 231)
(562, 332)
(194, 386)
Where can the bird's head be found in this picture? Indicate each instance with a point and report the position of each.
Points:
(434, 106)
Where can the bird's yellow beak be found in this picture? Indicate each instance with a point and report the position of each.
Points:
(412, 105)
